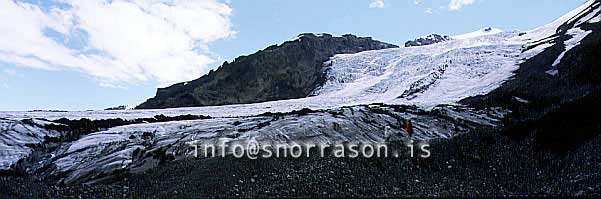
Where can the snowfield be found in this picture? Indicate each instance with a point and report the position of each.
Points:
(426, 76)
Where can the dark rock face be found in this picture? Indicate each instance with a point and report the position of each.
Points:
(563, 108)
(427, 40)
(423, 84)
(287, 71)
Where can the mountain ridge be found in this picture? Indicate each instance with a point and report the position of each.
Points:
(290, 70)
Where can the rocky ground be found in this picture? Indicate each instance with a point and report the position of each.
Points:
(485, 163)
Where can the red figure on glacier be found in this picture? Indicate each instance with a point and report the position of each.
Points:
(409, 127)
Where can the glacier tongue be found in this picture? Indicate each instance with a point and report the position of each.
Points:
(138, 147)
(17, 140)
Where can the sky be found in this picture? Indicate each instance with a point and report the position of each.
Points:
(95, 54)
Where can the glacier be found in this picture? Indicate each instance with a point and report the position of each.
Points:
(473, 66)
(137, 147)
(17, 139)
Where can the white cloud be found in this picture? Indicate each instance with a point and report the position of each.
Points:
(417, 2)
(428, 11)
(457, 4)
(121, 42)
(377, 4)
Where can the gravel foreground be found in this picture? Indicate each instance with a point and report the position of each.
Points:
(475, 164)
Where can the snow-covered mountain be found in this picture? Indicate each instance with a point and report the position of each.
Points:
(427, 40)
(470, 64)
(363, 94)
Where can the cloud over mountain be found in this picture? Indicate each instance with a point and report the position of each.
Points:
(115, 42)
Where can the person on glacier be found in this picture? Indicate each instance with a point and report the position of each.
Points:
(409, 127)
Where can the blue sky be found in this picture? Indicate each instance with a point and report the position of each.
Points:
(77, 55)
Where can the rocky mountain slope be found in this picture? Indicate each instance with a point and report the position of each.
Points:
(287, 71)
(566, 71)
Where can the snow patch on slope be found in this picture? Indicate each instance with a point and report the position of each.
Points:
(577, 36)
(479, 33)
